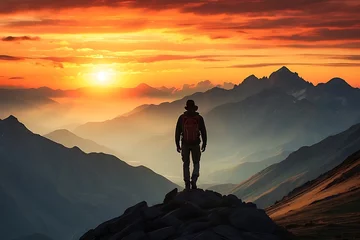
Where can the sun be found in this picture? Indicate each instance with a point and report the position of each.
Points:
(102, 77)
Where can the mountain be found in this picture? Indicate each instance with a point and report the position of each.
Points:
(21, 99)
(245, 170)
(329, 204)
(49, 189)
(194, 214)
(282, 111)
(305, 164)
(69, 139)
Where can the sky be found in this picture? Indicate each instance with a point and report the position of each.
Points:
(77, 43)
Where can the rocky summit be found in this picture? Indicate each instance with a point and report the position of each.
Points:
(193, 214)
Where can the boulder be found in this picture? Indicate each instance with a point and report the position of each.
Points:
(231, 201)
(162, 234)
(170, 196)
(138, 235)
(207, 235)
(252, 220)
(228, 232)
(194, 227)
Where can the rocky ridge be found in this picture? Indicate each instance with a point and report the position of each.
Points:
(194, 214)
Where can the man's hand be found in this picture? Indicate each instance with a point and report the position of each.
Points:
(203, 148)
(178, 149)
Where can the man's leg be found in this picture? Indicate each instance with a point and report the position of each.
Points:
(185, 154)
(195, 154)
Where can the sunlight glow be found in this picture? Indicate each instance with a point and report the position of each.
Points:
(102, 77)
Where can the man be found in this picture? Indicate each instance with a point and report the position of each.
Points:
(189, 127)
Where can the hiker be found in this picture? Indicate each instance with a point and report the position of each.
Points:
(189, 127)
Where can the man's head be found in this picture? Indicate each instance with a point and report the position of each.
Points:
(190, 106)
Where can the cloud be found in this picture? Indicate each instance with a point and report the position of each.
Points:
(21, 38)
(323, 34)
(15, 78)
(258, 65)
(10, 58)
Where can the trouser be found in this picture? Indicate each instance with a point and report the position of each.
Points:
(195, 155)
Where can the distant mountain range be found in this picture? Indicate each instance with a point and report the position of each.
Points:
(245, 170)
(325, 207)
(69, 139)
(276, 181)
(282, 111)
(49, 189)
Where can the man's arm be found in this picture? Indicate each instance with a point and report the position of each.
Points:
(178, 131)
(203, 131)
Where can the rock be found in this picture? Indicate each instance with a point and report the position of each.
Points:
(187, 211)
(251, 205)
(172, 205)
(207, 235)
(194, 227)
(201, 198)
(228, 232)
(170, 196)
(165, 221)
(134, 226)
(162, 234)
(136, 208)
(258, 236)
(252, 220)
(191, 215)
(151, 213)
(89, 235)
(139, 235)
(231, 201)
(213, 192)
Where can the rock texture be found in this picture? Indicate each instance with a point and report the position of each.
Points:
(194, 214)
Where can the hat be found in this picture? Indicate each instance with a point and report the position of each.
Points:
(190, 105)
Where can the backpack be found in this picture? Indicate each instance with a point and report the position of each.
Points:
(190, 129)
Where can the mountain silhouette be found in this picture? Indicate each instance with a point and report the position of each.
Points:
(195, 214)
(303, 165)
(56, 191)
(326, 206)
(69, 139)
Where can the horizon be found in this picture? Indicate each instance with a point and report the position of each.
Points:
(179, 87)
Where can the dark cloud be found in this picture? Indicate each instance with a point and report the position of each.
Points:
(10, 58)
(41, 22)
(16, 78)
(257, 65)
(346, 45)
(269, 7)
(21, 38)
(322, 34)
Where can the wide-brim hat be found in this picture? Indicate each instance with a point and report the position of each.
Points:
(190, 105)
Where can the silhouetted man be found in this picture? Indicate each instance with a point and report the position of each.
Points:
(189, 127)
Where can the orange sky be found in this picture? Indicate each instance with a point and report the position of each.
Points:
(70, 44)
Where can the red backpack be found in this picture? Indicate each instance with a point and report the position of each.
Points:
(190, 128)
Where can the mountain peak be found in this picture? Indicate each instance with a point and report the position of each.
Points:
(11, 123)
(284, 69)
(338, 82)
(12, 119)
(143, 86)
(251, 78)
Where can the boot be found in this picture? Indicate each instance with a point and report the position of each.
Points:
(193, 184)
(187, 185)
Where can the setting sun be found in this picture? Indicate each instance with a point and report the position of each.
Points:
(102, 77)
